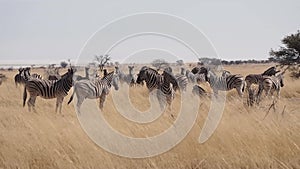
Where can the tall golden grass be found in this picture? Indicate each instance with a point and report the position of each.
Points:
(243, 138)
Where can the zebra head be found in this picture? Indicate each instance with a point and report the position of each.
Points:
(26, 73)
(141, 75)
(130, 69)
(68, 78)
(200, 70)
(270, 72)
(225, 73)
(117, 69)
(168, 69)
(21, 70)
(209, 76)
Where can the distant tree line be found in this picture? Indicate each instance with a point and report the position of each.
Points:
(215, 61)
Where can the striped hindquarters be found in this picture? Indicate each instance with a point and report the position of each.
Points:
(226, 83)
(253, 79)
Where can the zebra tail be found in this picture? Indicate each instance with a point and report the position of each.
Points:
(71, 98)
(24, 96)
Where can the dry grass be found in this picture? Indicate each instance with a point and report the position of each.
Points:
(242, 140)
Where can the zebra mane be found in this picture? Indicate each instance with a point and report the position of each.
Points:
(108, 77)
(153, 70)
(64, 76)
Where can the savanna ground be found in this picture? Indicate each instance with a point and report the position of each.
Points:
(243, 138)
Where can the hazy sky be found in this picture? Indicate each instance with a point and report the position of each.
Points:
(50, 30)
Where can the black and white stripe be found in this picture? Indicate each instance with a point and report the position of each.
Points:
(162, 82)
(226, 83)
(257, 78)
(182, 80)
(94, 89)
(48, 89)
(270, 84)
(195, 78)
(166, 89)
(150, 76)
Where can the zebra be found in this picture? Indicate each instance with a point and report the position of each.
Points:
(105, 73)
(270, 71)
(121, 74)
(195, 78)
(19, 79)
(48, 89)
(78, 77)
(2, 78)
(226, 83)
(225, 73)
(53, 74)
(26, 73)
(150, 76)
(271, 84)
(94, 89)
(256, 78)
(197, 70)
(166, 92)
(182, 80)
(161, 82)
(126, 78)
(182, 71)
(130, 77)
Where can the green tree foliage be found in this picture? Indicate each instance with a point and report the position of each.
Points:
(289, 54)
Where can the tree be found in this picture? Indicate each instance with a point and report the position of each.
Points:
(63, 64)
(289, 54)
(160, 63)
(102, 60)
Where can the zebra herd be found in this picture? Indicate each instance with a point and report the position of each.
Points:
(166, 84)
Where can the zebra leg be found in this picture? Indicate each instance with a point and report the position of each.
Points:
(102, 100)
(267, 92)
(240, 92)
(31, 103)
(169, 101)
(161, 99)
(278, 94)
(79, 103)
(59, 101)
(259, 93)
(216, 92)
